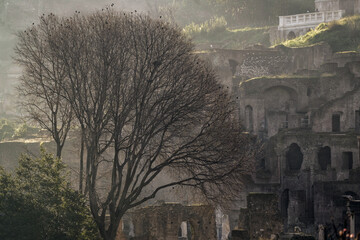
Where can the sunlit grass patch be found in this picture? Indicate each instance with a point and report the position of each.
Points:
(342, 35)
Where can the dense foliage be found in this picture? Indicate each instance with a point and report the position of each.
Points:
(37, 203)
(348, 28)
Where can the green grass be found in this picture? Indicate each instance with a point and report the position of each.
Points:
(342, 35)
(233, 38)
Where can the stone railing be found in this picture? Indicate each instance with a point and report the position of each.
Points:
(309, 19)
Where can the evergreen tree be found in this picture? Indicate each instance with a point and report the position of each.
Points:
(36, 202)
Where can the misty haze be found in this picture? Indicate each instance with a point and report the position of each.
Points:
(179, 119)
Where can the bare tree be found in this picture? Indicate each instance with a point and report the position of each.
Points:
(148, 106)
(40, 88)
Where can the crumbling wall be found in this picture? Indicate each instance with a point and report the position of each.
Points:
(234, 66)
(262, 216)
(164, 222)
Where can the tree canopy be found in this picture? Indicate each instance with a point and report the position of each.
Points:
(147, 106)
(36, 202)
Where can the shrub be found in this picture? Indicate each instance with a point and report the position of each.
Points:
(36, 203)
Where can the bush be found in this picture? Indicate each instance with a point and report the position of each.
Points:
(37, 203)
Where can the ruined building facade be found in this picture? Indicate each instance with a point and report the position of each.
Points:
(304, 104)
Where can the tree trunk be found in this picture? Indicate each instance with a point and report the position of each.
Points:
(81, 173)
(58, 150)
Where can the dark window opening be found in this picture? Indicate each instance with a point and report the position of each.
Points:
(249, 118)
(308, 92)
(294, 157)
(324, 157)
(285, 203)
(336, 122)
(262, 164)
(357, 121)
(347, 158)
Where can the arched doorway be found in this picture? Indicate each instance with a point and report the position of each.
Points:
(291, 35)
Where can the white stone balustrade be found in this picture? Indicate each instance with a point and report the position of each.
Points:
(309, 19)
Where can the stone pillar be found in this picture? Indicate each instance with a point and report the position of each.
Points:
(352, 224)
(321, 232)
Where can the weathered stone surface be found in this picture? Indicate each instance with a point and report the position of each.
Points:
(262, 217)
(164, 222)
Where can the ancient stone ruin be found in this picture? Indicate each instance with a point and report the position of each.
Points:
(304, 103)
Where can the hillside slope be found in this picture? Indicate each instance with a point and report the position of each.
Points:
(341, 35)
(232, 38)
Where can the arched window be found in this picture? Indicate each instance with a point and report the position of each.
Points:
(324, 157)
(184, 231)
(291, 35)
(294, 157)
(249, 118)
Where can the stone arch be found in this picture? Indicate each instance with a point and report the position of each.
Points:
(291, 35)
(324, 157)
(249, 118)
(186, 231)
(294, 157)
(280, 97)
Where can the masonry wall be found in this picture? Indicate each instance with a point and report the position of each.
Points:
(235, 66)
(261, 218)
(164, 222)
